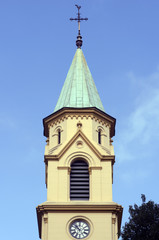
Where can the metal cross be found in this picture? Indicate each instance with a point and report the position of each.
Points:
(79, 19)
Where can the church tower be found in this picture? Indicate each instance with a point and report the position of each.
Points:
(79, 159)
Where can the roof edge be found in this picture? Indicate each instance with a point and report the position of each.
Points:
(89, 110)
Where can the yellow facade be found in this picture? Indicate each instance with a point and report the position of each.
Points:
(56, 225)
(79, 139)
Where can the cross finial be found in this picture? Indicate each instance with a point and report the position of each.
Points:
(79, 19)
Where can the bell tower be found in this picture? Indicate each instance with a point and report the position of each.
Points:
(79, 159)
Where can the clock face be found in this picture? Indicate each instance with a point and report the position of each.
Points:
(79, 229)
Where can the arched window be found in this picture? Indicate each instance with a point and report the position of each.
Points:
(59, 136)
(79, 180)
(99, 136)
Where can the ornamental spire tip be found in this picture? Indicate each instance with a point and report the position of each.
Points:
(79, 19)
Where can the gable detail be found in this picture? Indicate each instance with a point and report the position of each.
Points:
(67, 146)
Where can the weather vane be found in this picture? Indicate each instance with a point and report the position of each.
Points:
(79, 19)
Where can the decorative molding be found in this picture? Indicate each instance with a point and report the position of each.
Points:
(61, 206)
(55, 122)
(96, 168)
(47, 141)
(105, 149)
(45, 220)
(109, 158)
(79, 124)
(79, 144)
(69, 170)
(77, 113)
(90, 170)
(88, 142)
(89, 207)
(54, 148)
(79, 154)
(50, 158)
(63, 167)
(57, 157)
(113, 220)
(111, 141)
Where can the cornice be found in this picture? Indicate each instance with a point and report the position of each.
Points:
(108, 207)
(79, 113)
(57, 157)
(89, 207)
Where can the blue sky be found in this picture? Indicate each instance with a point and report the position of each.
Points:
(37, 45)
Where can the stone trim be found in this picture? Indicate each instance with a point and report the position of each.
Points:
(64, 168)
(113, 220)
(77, 117)
(80, 133)
(62, 207)
(92, 113)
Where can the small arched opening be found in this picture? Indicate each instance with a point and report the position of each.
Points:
(99, 136)
(59, 136)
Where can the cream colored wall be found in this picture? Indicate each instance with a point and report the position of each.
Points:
(58, 178)
(55, 225)
(44, 227)
(106, 182)
(101, 225)
(69, 128)
(59, 175)
(52, 181)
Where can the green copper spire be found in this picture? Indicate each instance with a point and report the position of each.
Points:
(79, 90)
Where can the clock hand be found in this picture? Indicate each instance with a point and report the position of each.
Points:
(77, 227)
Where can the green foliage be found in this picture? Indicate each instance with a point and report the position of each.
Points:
(143, 222)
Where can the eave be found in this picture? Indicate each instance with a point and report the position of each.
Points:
(65, 112)
(49, 207)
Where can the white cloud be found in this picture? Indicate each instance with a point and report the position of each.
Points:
(142, 124)
(144, 121)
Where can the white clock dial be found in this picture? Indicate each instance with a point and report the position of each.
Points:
(79, 229)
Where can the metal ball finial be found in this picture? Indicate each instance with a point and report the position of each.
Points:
(79, 41)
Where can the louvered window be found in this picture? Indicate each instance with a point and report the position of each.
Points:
(79, 180)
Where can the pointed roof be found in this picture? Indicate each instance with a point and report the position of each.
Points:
(79, 90)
